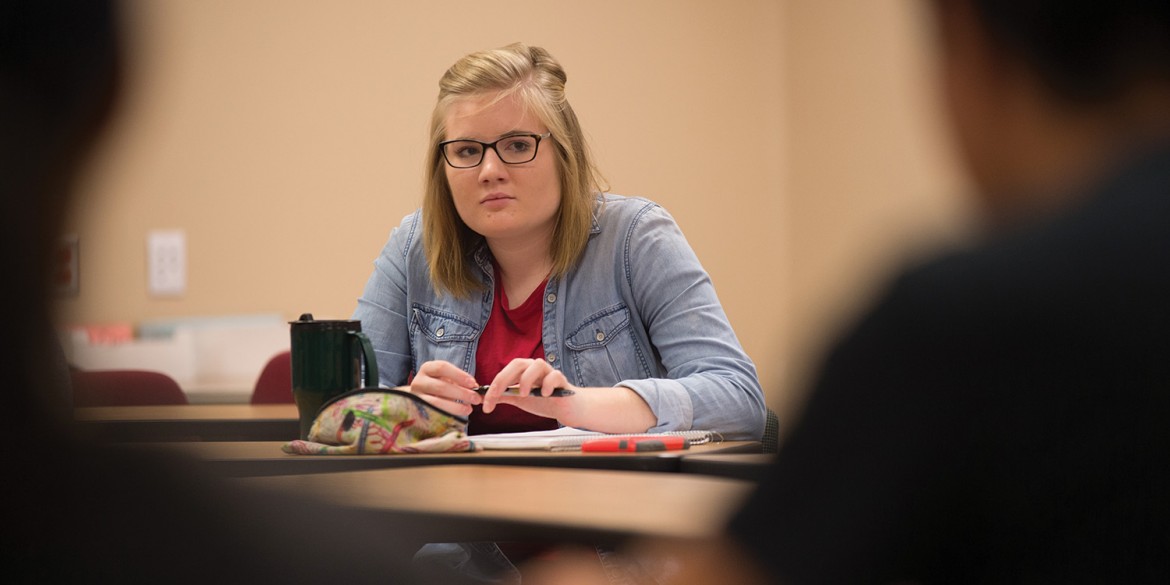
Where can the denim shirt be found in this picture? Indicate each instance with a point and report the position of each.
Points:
(637, 310)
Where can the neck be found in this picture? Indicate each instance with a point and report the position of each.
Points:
(1060, 150)
(522, 267)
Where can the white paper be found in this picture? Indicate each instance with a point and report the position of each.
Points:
(568, 438)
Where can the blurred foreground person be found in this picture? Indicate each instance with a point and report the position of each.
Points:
(1001, 415)
(76, 513)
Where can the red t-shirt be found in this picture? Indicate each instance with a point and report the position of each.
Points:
(509, 334)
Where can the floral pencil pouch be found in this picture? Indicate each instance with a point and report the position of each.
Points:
(379, 421)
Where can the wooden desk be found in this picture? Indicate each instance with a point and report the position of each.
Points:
(190, 422)
(264, 458)
(492, 502)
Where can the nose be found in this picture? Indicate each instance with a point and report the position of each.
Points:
(492, 168)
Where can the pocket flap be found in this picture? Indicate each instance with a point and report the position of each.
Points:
(599, 328)
(441, 326)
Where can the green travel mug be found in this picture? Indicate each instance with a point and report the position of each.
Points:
(329, 357)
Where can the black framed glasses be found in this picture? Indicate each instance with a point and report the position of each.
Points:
(513, 149)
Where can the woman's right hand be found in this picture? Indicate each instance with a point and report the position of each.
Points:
(445, 386)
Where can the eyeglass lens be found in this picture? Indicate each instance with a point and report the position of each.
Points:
(511, 149)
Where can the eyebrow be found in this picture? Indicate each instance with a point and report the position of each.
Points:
(500, 137)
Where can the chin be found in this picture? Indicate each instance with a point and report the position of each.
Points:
(492, 229)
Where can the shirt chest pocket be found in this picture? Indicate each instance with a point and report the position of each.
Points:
(441, 335)
(603, 349)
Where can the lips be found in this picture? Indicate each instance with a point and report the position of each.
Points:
(495, 197)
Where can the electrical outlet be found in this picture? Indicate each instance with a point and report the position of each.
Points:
(66, 276)
(166, 252)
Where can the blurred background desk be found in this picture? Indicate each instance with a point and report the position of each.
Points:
(264, 458)
(492, 502)
(190, 422)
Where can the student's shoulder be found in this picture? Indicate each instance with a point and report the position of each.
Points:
(1020, 281)
(406, 236)
(613, 210)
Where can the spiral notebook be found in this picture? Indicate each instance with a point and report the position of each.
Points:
(570, 439)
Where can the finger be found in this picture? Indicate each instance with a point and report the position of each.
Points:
(444, 379)
(445, 370)
(553, 380)
(456, 408)
(508, 374)
(445, 390)
(533, 375)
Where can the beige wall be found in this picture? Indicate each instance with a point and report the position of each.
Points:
(792, 140)
(872, 181)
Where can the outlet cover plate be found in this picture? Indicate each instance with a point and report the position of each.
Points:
(166, 263)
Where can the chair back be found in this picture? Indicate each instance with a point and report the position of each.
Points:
(274, 386)
(124, 388)
(770, 443)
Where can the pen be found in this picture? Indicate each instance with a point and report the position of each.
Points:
(635, 444)
(515, 391)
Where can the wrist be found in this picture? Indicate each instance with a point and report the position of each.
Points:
(616, 409)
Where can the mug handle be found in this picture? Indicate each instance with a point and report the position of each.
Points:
(371, 362)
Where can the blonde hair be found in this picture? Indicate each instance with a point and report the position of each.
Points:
(538, 81)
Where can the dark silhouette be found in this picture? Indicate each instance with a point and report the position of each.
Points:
(1003, 414)
(74, 512)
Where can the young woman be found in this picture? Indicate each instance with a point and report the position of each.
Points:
(519, 271)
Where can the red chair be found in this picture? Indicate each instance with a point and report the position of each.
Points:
(124, 388)
(274, 386)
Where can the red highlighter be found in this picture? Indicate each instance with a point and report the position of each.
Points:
(635, 444)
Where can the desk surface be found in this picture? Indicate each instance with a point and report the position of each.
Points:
(477, 502)
(264, 458)
(185, 412)
(237, 425)
(225, 393)
(190, 422)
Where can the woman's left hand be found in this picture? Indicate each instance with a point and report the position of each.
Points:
(609, 410)
(531, 376)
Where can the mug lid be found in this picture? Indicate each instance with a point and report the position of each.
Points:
(346, 324)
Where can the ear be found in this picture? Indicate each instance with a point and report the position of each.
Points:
(966, 50)
(977, 86)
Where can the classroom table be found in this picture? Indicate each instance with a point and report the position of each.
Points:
(190, 422)
(264, 458)
(460, 503)
(572, 496)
